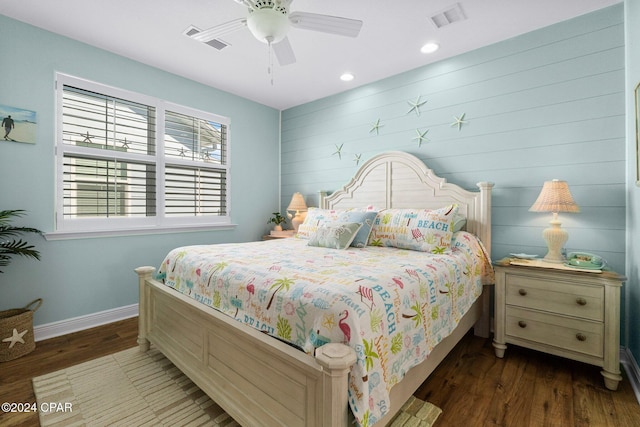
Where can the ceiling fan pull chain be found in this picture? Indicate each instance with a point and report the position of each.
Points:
(270, 59)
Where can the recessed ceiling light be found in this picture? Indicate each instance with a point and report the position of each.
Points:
(429, 47)
(347, 77)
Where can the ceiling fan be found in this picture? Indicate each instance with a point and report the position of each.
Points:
(270, 20)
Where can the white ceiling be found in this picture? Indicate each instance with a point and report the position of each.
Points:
(151, 31)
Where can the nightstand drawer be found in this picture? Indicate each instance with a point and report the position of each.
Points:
(586, 302)
(558, 331)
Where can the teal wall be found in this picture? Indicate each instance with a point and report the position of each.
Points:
(632, 290)
(547, 104)
(83, 276)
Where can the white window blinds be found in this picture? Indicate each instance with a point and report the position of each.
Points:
(126, 160)
(195, 150)
(99, 179)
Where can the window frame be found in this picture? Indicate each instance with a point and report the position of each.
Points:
(65, 228)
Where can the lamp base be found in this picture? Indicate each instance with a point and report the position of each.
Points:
(553, 259)
(297, 220)
(556, 237)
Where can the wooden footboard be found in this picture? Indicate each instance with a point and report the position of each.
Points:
(257, 379)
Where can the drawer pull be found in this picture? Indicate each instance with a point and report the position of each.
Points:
(581, 301)
(581, 337)
(522, 324)
(522, 292)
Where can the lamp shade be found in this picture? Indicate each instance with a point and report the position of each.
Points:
(555, 197)
(297, 203)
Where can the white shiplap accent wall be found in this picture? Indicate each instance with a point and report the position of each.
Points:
(547, 104)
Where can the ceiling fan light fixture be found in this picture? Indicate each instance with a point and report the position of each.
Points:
(269, 22)
(429, 47)
(268, 25)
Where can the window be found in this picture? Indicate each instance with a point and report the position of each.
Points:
(126, 161)
(190, 188)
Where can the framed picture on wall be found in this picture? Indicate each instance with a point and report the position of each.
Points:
(637, 101)
(18, 125)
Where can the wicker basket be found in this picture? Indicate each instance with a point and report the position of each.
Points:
(16, 331)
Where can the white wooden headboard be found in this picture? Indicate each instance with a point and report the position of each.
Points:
(400, 180)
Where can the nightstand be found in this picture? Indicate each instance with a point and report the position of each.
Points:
(279, 235)
(564, 312)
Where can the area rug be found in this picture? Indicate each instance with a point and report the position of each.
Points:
(131, 388)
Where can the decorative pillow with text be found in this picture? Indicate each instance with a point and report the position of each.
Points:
(315, 218)
(426, 230)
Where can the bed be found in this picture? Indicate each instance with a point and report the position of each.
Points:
(322, 376)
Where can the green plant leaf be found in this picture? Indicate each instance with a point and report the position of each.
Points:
(9, 245)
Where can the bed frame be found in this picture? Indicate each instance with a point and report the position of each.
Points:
(261, 381)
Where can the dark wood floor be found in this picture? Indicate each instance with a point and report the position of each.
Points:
(472, 386)
(58, 353)
(525, 389)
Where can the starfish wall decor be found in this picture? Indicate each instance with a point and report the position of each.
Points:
(415, 105)
(338, 151)
(459, 121)
(421, 137)
(357, 159)
(376, 127)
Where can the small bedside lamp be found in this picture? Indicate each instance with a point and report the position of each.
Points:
(298, 205)
(555, 197)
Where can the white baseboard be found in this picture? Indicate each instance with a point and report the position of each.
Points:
(633, 371)
(75, 324)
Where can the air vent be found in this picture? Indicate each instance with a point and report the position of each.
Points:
(191, 30)
(448, 16)
(216, 43)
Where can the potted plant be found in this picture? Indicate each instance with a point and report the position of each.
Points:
(278, 220)
(9, 246)
(16, 325)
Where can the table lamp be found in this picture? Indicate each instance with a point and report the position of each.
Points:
(555, 197)
(298, 206)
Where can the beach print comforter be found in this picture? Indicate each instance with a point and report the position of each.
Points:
(392, 306)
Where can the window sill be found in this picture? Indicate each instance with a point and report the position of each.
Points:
(70, 235)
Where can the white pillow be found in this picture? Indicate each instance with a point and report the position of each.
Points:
(335, 235)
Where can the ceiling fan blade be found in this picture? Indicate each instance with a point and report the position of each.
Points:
(284, 52)
(326, 23)
(220, 30)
